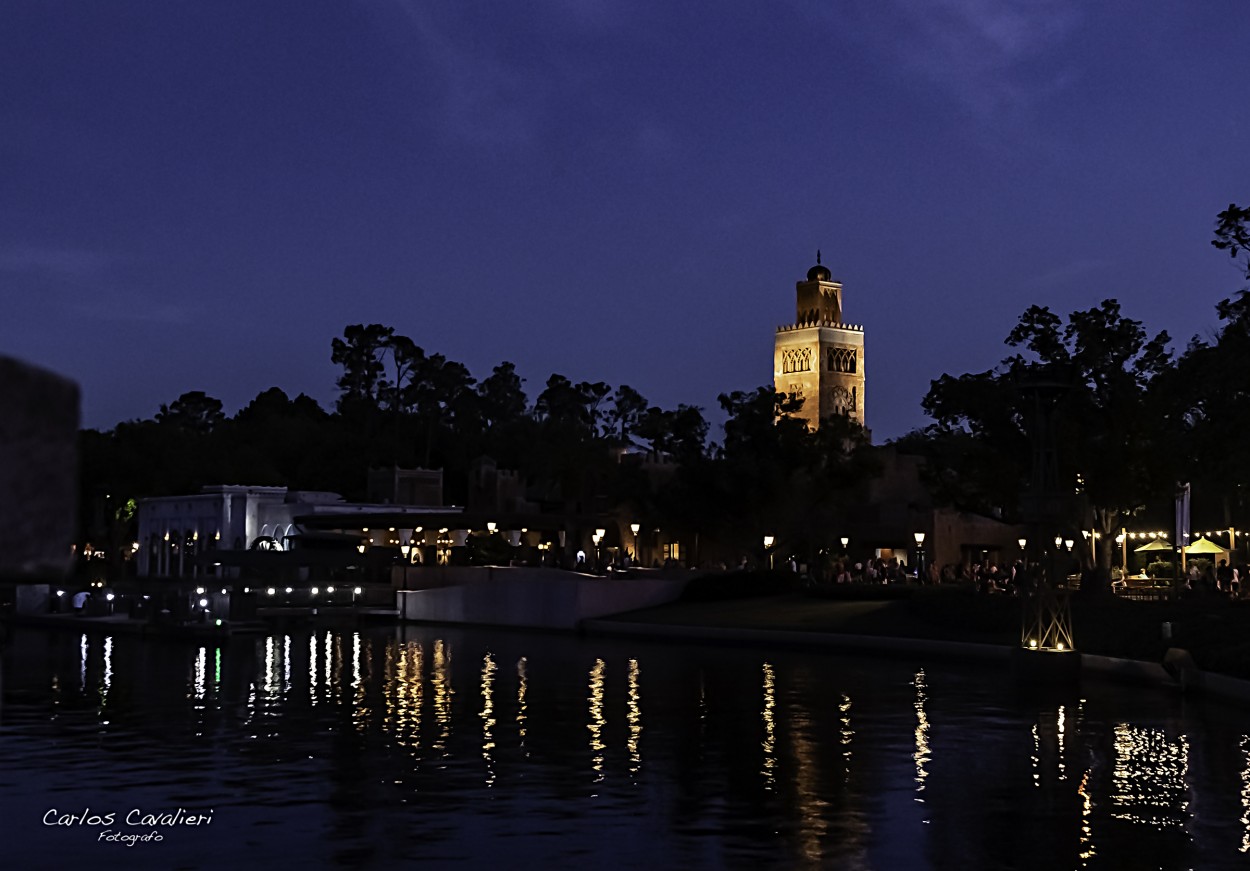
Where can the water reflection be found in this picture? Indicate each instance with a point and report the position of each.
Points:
(921, 755)
(441, 679)
(769, 768)
(846, 733)
(796, 761)
(521, 711)
(597, 720)
(1150, 773)
(634, 718)
(488, 716)
(1245, 795)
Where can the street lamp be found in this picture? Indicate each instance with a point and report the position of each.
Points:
(635, 528)
(845, 542)
(491, 527)
(919, 536)
(768, 546)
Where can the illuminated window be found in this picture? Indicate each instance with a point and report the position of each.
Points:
(841, 360)
(672, 550)
(796, 360)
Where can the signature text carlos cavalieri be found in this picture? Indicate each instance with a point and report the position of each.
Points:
(135, 817)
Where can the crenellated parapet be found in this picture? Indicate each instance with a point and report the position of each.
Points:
(806, 325)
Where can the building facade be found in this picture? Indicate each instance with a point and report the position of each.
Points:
(818, 357)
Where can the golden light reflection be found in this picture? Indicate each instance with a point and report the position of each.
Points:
(1087, 837)
(597, 720)
(767, 714)
(82, 670)
(1245, 795)
(1036, 758)
(391, 679)
(521, 704)
(807, 784)
(1148, 785)
(922, 754)
(488, 716)
(634, 718)
(411, 695)
(847, 734)
(441, 680)
(1060, 724)
(362, 676)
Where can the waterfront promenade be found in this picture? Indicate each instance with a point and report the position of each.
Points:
(1116, 638)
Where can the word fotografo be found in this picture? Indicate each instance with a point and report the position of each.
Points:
(134, 817)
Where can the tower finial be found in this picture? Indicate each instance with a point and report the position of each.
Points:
(817, 256)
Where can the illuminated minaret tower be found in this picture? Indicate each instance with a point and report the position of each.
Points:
(818, 356)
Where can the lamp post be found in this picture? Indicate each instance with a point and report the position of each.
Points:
(635, 528)
(919, 536)
(845, 541)
(768, 546)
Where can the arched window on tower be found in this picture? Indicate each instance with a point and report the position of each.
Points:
(841, 360)
(796, 360)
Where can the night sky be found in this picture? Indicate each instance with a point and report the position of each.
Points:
(200, 196)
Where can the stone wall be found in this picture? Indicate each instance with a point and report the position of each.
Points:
(38, 471)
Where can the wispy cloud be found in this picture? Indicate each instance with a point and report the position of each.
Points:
(484, 99)
(1067, 272)
(124, 310)
(53, 262)
(989, 56)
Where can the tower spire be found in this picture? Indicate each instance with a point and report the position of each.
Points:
(817, 256)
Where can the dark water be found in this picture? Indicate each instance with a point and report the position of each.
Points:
(437, 747)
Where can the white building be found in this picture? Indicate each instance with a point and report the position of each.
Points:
(175, 530)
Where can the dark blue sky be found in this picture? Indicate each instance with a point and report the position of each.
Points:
(202, 195)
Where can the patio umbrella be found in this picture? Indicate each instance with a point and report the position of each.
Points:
(1204, 545)
(1157, 544)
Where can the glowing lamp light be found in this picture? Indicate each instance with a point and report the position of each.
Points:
(1059, 646)
(218, 621)
(845, 541)
(1068, 543)
(60, 593)
(361, 547)
(314, 591)
(1033, 644)
(635, 527)
(1022, 542)
(768, 541)
(405, 549)
(919, 536)
(288, 591)
(247, 590)
(110, 597)
(271, 591)
(356, 591)
(203, 603)
(601, 532)
(329, 589)
(491, 527)
(199, 591)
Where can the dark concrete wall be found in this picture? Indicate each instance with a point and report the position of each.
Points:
(38, 471)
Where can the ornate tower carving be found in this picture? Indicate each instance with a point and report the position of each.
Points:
(818, 356)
